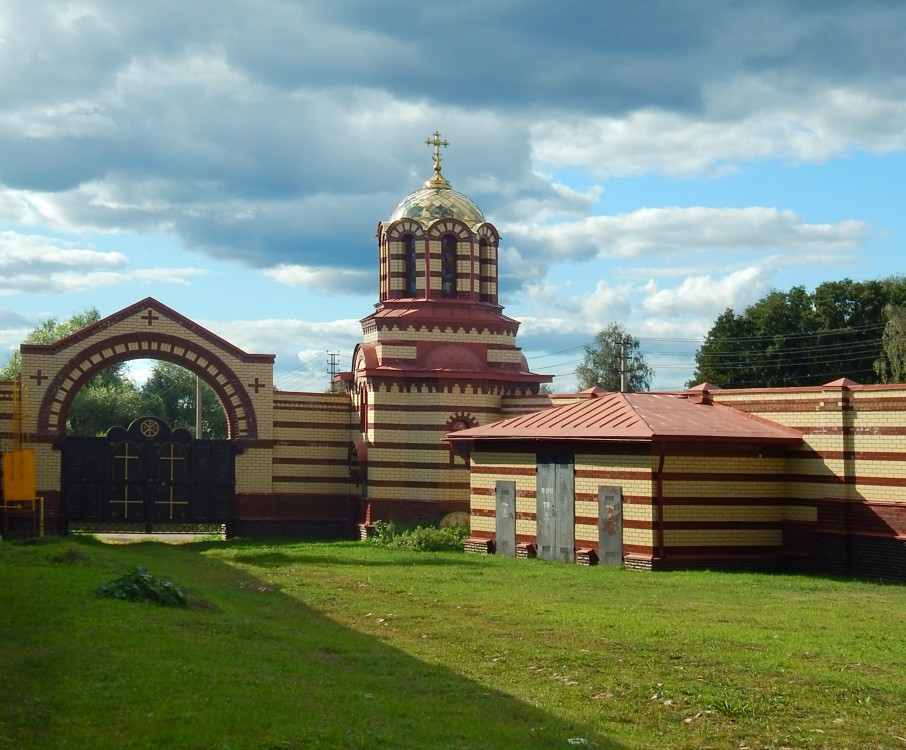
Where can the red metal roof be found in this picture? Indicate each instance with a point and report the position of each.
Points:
(635, 417)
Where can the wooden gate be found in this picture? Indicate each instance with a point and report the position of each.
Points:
(147, 478)
(556, 509)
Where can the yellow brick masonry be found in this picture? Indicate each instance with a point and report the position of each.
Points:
(870, 431)
(254, 471)
(311, 443)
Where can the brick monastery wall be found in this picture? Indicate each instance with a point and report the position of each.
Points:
(6, 413)
(847, 480)
(300, 481)
(410, 465)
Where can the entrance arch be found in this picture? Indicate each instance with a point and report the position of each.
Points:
(85, 364)
(54, 373)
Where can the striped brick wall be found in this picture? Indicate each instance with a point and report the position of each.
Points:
(848, 480)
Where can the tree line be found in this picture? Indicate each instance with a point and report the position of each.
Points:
(111, 398)
(845, 328)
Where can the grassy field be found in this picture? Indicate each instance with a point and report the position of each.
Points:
(348, 645)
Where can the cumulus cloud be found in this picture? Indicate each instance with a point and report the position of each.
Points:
(323, 279)
(288, 335)
(32, 251)
(707, 296)
(730, 133)
(664, 231)
(34, 264)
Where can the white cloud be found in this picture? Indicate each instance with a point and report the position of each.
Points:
(706, 296)
(661, 231)
(32, 251)
(33, 264)
(744, 120)
(322, 279)
(286, 336)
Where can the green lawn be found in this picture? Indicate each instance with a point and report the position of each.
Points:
(348, 645)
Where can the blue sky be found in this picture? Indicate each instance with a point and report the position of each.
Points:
(646, 163)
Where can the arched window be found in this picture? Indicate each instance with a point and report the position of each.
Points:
(411, 276)
(363, 409)
(484, 271)
(448, 265)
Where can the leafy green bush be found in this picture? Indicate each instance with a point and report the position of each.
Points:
(138, 585)
(420, 539)
(383, 533)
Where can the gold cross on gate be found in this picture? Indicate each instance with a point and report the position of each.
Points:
(172, 459)
(126, 502)
(125, 458)
(437, 143)
(171, 502)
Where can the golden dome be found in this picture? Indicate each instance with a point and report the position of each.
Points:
(433, 203)
(437, 200)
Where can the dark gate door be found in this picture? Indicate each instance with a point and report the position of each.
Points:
(505, 540)
(610, 525)
(146, 478)
(555, 489)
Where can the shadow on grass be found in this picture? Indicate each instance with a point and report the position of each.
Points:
(255, 669)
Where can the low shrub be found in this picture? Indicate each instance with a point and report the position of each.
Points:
(138, 585)
(420, 539)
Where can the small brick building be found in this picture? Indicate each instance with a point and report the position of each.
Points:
(795, 477)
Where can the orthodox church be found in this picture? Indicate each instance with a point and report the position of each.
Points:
(440, 414)
(437, 355)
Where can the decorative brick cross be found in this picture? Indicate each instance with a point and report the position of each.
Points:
(257, 385)
(39, 377)
(150, 317)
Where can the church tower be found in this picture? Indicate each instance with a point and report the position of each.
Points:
(437, 355)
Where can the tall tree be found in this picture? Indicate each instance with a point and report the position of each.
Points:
(612, 350)
(169, 393)
(107, 399)
(891, 365)
(795, 338)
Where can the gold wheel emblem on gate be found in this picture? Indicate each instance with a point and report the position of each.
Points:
(150, 428)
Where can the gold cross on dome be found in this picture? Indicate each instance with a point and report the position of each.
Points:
(437, 143)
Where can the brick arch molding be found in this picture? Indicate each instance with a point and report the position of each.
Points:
(237, 404)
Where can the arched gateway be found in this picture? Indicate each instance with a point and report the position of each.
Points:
(53, 374)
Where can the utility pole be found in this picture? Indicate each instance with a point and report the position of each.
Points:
(624, 366)
(197, 407)
(332, 367)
